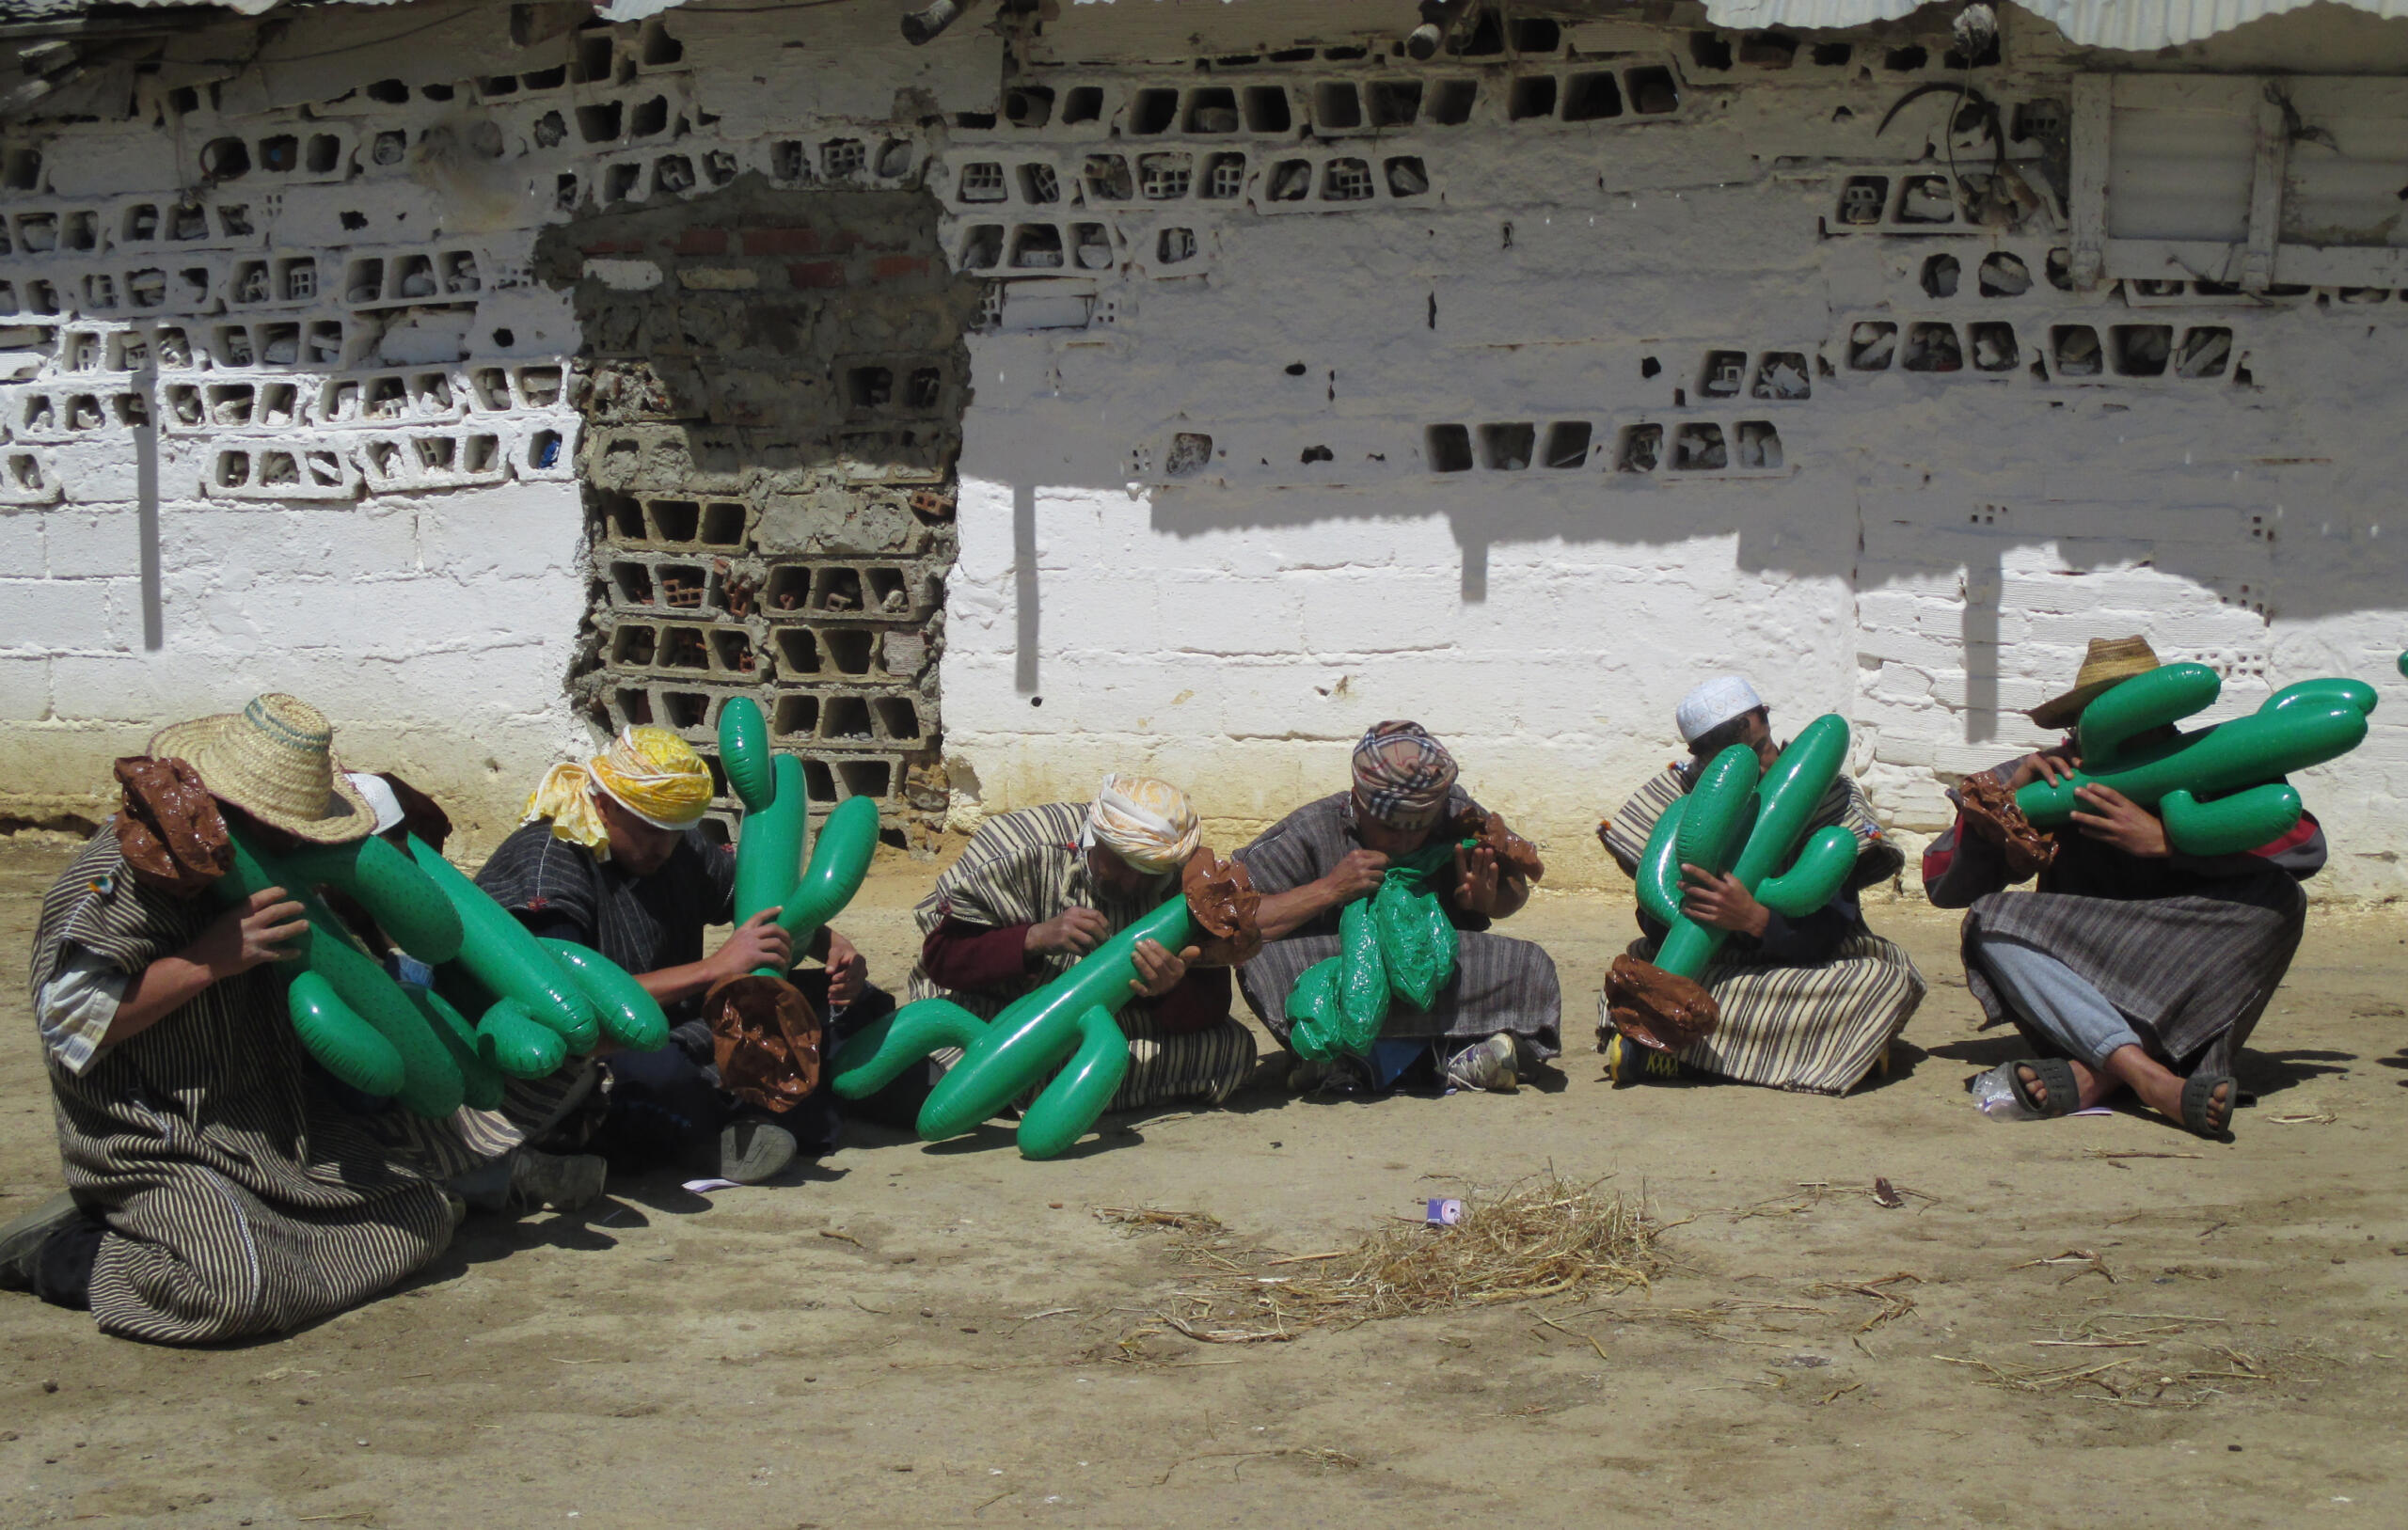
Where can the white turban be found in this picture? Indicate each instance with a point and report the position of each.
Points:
(1714, 704)
(1145, 822)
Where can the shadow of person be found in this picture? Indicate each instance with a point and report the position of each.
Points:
(1905, 1057)
(2263, 1073)
(1984, 1052)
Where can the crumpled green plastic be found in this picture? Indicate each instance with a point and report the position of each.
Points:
(1396, 944)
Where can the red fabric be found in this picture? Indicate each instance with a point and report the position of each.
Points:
(2302, 831)
(960, 955)
(1942, 852)
(1201, 1000)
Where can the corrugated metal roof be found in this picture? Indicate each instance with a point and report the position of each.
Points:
(2132, 25)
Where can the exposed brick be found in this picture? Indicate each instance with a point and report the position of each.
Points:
(781, 241)
(703, 242)
(889, 267)
(817, 274)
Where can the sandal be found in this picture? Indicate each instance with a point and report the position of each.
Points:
(2054, 1076)
(2198, 1099)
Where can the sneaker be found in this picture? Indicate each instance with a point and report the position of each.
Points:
(554, 1181)
(752, 1151)
(1628, 1063)
(1306, 1076)
(22, 1238)
(1494, 1063)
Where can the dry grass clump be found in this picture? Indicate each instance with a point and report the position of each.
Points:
(1537, 1238)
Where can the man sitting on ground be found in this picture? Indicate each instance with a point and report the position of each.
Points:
(2134, 966)
(610, 858)
(1809, 1003)
(214, 1192)
(1501, 1013)
(1038, 888)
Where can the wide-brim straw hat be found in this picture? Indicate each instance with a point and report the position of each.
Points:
(2110, 662)
(275, 760)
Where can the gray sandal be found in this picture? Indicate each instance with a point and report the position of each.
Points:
(2054, 1076)
(2198, 1099)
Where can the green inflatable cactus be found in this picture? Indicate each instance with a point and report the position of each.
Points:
(2234, 765)
(1731, 822)
(1398, 943)
(777, 816)
(388, 1038)
(1070, 1020)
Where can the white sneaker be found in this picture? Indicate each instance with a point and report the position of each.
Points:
(1494, 1065)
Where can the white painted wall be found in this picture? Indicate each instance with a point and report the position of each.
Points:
(1930, 554)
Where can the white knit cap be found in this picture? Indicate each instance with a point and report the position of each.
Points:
(1714, 704)
(380, 797)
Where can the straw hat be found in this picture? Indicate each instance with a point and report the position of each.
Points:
(2110, 662)
(274, 759)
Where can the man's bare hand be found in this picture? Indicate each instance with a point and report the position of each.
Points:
(847, 972)
(1477, 879)
(1357, 876)
(2116, 819)
(1158, 970)
(758, 942)
(2051, 765)
(1720, 903)
(256, 931)
(1074, 932)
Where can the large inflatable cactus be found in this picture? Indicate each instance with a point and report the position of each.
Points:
(1069, 1020)
(777, 815)
(2236, 764)
(1731, 822)
(388, 1038)
(1398, 943)
(765, 1032)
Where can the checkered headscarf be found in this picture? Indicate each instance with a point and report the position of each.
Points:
(1403, 775)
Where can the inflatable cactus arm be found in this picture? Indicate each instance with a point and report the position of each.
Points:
(348, 1011)
(2238, 762)
(1731, 823)
(777, 811)
(1070, 1020)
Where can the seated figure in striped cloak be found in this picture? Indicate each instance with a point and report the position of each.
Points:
(1809, 1003)
(2132, 966)
(213, 1191)
(1499, 1016)
(1039, 887)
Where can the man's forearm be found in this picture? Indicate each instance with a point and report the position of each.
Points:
(164, 987)
(1282, 913)
(675, 984)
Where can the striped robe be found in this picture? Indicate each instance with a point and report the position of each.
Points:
(2190, 949)
(239, 1199)
(1501, 984)
(1025, 868)
(1819, 1028)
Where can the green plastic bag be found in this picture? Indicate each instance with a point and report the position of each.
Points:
(1313, 1011)
(1396, 944)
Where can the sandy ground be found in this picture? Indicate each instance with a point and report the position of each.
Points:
(929, 1335)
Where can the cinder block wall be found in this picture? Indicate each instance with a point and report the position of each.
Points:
(1304, 387)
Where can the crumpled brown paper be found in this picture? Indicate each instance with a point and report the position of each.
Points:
(1513, 853)
(1659, 1009)
(168, 827)
(1990, 808)
(1221, 901)
(765, 1037)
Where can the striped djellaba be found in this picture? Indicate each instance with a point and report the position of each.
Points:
(1501, 984)
(1817, 1029)
(239, 1199)
(1026, 867)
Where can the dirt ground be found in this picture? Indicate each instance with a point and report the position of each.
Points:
(934, 1336)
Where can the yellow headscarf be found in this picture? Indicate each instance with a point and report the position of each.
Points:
(651, 772)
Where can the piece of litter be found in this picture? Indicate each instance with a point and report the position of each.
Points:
(1885, 1194)
(1443, 1212)
(703, 1187)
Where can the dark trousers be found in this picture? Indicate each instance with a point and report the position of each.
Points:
(667, 1109)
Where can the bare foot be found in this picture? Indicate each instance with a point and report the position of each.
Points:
(2092, 1085)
